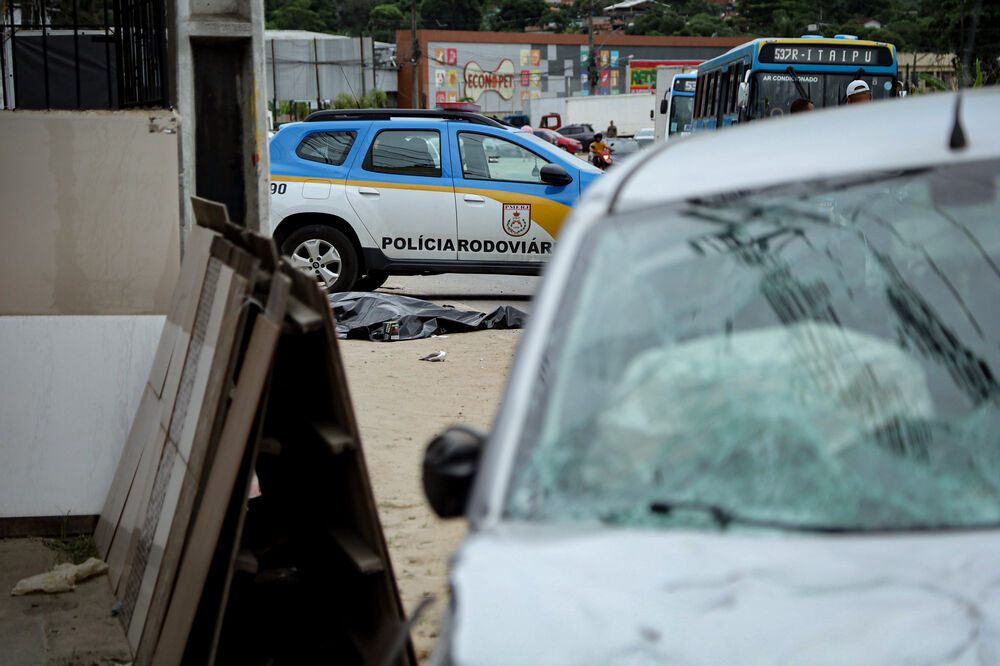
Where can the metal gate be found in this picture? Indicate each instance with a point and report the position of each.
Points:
(83, 54)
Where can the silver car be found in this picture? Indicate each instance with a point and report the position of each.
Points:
(755, 417)
(644, 137)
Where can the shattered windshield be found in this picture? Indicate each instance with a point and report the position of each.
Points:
(774, 92)
(816, 357)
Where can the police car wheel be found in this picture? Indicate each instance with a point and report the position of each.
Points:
(324, 253)
(372, 281)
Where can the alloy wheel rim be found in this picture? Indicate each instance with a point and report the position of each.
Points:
(319, 259)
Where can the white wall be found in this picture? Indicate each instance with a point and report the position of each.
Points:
(89, 222)
(89, 254)
(70, 388)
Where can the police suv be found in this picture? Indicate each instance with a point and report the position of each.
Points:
(359, 195)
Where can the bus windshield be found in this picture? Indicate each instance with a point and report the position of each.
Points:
(774, 92)
(681, 113)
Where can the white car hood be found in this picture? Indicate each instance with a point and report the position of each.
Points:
(523, 596)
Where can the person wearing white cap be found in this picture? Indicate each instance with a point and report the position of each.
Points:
(858, 92)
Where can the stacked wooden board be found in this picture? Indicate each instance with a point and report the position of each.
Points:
(247, 379)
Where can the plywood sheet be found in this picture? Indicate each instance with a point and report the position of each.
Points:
(177, 470)
(143, 430)
(204, 535)
(181, 317)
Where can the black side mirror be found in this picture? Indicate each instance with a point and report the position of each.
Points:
(553, 174)
(450, 465)
(663, 105)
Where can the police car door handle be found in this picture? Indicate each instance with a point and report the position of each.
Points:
(368, 190)
(472, 198)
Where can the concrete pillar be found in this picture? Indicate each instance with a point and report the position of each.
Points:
(219, 92)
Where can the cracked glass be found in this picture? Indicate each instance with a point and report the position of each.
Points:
(821, 356)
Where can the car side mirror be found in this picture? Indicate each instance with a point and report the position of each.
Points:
(553, 174)
(450, 465)
(663, 105)
(743, 94)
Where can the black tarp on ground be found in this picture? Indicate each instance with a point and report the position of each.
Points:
(376, 316)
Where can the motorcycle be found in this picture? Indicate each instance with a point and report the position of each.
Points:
(602, 160)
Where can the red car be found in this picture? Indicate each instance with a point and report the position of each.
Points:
(566, 143)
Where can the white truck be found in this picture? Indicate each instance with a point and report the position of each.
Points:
(664, 86)
(630, 112)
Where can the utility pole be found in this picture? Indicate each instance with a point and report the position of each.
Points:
(362, 40)
(591, 79)
(414, 55)
(970, 46)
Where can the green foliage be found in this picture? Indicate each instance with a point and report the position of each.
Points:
(934, 81)
(515, 15)
(660, 20)
(295, 15)
(72, 548)
(706, 25)
(451, 14)
(374, 99)
(968, 28)
(385, 20)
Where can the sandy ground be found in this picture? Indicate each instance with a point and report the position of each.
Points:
(401, 403)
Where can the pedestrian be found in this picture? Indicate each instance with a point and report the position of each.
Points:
(801, 104)
(858, 92)
(612, 131)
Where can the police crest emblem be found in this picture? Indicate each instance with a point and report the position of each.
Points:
(516, 219)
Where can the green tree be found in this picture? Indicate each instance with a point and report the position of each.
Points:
(295, 15)
(451, 14)
(971, 30)
(659, 20)
(706, 25)
(515, 15)
(385, 20)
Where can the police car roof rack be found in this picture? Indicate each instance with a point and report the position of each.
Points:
(388, 114)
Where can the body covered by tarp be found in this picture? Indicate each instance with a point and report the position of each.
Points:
(365, 315)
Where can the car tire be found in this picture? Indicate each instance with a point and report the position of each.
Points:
(324, 253)
(372, 281)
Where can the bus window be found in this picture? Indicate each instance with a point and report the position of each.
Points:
(737, 77)
(699, 94)
(736, 88)
(730, 96)
(713, 81)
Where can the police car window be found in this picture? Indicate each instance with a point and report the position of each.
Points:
(491, 158)
(406, 152)
(326, 147)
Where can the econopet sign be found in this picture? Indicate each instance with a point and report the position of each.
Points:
(500, 80)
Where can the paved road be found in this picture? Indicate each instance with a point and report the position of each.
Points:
(481, 292)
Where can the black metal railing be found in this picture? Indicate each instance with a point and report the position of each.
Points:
(83, 54)
(142, 53)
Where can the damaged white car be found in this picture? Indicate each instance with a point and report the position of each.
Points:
(755, 418)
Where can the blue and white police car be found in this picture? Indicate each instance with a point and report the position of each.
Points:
(359, 195)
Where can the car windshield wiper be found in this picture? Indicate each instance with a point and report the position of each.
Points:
(723, 517)
(798, 84)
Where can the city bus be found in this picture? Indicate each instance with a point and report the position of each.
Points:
(676, 108)
(761, 79)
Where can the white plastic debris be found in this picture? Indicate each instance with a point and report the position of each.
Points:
(62, 578)
(436, 356)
